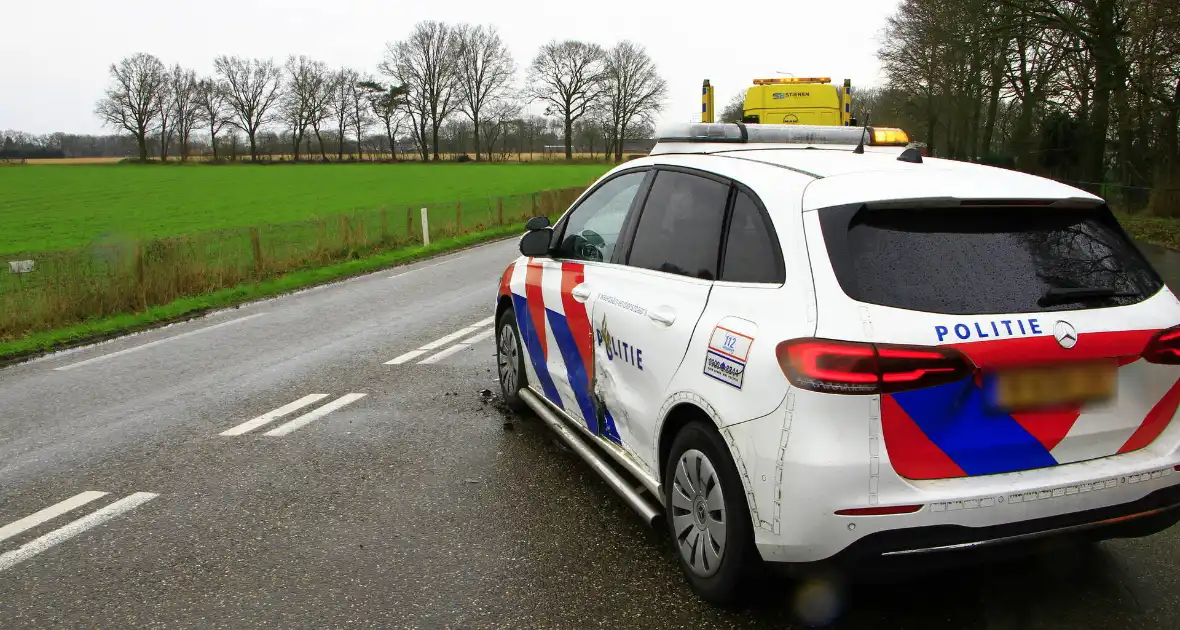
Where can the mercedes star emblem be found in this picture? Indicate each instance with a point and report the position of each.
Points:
(1066, 335)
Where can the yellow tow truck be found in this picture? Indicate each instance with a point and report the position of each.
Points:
(791, 101)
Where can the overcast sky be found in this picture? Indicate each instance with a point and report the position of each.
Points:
(54, 54)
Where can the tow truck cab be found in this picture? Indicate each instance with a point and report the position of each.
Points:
(799, 101)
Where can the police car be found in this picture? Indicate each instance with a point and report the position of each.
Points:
(804, 346)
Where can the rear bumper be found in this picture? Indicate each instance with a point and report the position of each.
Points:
(941, 545)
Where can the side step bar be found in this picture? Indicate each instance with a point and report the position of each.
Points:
(616, 481)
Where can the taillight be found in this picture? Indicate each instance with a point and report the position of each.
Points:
(846, 367)
(1164, 347)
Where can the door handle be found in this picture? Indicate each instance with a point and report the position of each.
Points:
(662, 315)
(581, 292)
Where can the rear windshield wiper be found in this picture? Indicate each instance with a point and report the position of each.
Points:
(1070, 295)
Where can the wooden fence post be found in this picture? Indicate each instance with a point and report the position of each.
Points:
(500, 211)
(409, 222)
(256, 245)
(459, 217)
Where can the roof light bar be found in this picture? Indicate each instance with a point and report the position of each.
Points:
(783, 80)
(780, 134)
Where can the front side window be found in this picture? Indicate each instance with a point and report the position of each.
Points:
(592, 229)
(679, 229)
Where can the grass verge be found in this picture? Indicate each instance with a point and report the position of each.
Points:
(182, 309)
(53, 208)
(1162, 231)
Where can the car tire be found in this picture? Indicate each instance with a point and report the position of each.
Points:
(715, 548)
(510, 361)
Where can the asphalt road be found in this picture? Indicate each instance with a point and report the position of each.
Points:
(409, 506)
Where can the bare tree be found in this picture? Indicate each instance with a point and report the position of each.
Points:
(568, 77)
(186, 106)
(361, 118)
(305, 81)
(340, 105)
(133, 101)
(214, 109)
(252, 89)
(499, 117)
(735, 109)
(167, 109)
(386, 103)
(634, 91)
(320, 110)
(485, 74)
(425, 63)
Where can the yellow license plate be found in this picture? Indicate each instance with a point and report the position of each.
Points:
(1059, 385)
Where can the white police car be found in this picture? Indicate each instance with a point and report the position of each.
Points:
(806, 353)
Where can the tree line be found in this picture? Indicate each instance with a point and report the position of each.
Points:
(1086, 91)
(442, 84)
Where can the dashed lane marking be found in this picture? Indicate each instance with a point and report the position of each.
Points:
(458, 334)
(271, 416)
(438, 343)
(68, 531)
(314, 415)
(49, 513)
(462, 345)
(409, 356)
(149, 344)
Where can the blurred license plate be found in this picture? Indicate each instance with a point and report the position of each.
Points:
(1059, 385)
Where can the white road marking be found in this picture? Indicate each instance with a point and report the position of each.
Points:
(435, 358)
(49, 513)
(66, 532)
(412, 354)
(149, 344)
(271, 416)
(438, 343)
(312, 416)
(466, 343)
(480, 337)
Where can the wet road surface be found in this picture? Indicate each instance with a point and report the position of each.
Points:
(152, 482)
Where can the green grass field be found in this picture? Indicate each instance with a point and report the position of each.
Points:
(59, 207)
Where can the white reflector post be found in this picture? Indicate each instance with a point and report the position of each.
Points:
(20, 266)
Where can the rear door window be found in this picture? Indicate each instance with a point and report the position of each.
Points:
(985, 260)
(679, 229)
(751, 249)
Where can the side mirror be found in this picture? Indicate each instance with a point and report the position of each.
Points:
(536, 242)
(537, 223)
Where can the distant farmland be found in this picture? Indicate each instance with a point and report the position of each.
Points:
(55, 207)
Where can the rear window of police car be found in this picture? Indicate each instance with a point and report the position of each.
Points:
(984, 259)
